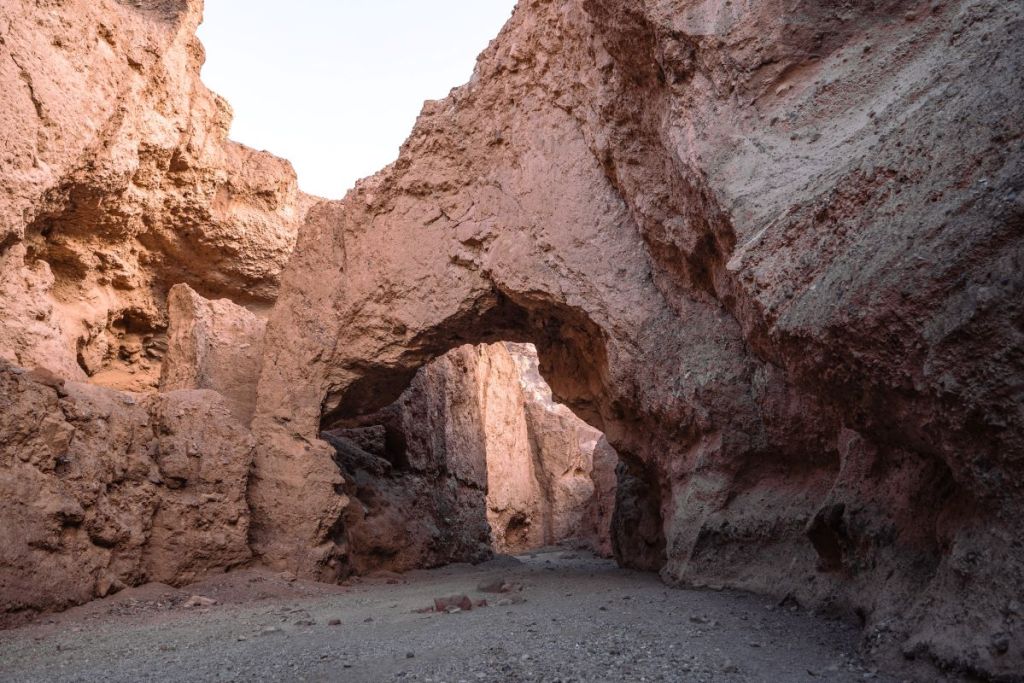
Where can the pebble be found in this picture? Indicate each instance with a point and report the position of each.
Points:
(199, 601)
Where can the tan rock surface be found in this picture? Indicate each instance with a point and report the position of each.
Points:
(99, 490)
(213, 345)
(772, 252)
(518, 502)
(473, 455)
(560, 449)
(117, 181)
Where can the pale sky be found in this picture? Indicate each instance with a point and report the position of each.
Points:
(334, 86)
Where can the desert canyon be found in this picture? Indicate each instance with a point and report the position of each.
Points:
(732, 292)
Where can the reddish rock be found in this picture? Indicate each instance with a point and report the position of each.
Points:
(772, 253)
(100, 490)
(212, 345)
(453, 602)
(119, 181)
(596, 522)
(199, 601)
(540, 457)
(478, 417)
(778, 269)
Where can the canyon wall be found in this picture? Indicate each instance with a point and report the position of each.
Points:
(118, 181)
(772, 250)
(572, 494)
(140, 252)
(473, 455)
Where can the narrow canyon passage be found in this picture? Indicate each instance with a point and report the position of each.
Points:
(475, 455)
(712, 313)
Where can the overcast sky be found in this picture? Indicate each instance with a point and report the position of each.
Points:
(334, 86)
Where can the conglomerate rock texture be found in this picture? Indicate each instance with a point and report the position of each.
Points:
(772, 250)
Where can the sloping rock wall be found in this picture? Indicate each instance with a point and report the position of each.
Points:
(418, 487)
(573, 478)
(595, 527)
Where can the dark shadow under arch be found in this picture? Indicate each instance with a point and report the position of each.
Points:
(573, 360)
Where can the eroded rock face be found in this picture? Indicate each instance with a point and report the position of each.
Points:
(99, 490)
(571, 477)
(117, 181)
(596, 524)
(416, 477)
(473, 455)
(772, 252)
(213, 345)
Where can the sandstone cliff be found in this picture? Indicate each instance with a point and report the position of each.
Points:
(473, 455)
(117, 181)
(573, 489)
(212, 345)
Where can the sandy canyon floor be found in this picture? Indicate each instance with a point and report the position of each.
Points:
(567, 617)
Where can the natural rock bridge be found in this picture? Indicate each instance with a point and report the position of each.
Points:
(773, 253)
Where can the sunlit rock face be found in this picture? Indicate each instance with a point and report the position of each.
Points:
(772, 251)
(117, 181)
(474, 455)
(547, 477)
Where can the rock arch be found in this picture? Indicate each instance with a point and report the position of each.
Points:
(445, 248)
(804, 398)
(774, 252)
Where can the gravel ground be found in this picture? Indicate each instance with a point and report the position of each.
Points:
(567, 617)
